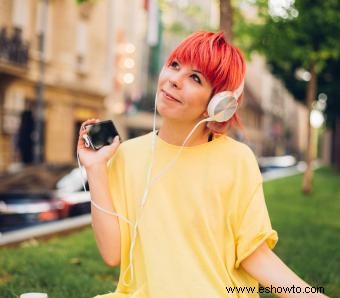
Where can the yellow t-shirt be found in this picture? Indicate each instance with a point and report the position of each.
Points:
(202, 217)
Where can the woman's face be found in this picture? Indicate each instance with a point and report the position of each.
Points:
(183, 92)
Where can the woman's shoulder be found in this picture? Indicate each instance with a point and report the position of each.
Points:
(237, 155)
(235, 148)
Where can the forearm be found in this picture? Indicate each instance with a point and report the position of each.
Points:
(268, 269)
(105, 226)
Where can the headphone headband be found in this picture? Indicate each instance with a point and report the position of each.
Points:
(239, 90)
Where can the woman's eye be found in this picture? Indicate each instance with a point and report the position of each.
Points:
(174, 64)
(196, 78)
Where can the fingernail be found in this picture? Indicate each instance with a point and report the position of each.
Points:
(116, 138)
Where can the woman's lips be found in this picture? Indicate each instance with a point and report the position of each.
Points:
(169, 97)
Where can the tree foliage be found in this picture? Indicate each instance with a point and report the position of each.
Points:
(305, 33)
(81, 1)
(190, 17)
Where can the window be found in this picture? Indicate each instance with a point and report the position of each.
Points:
(13, 106)
(43, 25)
(82, 46)
(20, 13)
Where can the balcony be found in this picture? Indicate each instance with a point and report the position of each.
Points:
(14, 51)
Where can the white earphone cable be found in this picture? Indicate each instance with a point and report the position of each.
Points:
(109, 212)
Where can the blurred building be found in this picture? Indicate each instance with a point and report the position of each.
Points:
(102, 59)
(283, 124)
(136, 30)
(99, 57)
(79, 67)
(251, 115)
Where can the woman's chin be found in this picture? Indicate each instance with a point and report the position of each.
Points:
(168, 112)
(169, 115)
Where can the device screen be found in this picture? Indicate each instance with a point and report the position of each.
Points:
(101, 133)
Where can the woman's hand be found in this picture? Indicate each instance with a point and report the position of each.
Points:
(89, 157)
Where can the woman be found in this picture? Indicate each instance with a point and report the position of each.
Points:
(199, 226)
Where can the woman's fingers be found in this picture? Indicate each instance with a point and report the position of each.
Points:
(82, 132)
(89, 121)
(81, 141)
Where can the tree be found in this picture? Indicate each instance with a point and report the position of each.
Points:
(226, 18)
(330, 84)
(295, 35)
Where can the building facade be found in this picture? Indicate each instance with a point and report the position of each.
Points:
(279, 135)
(97, 63)
(77, 74)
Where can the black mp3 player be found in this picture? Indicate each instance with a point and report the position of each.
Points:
(101, 133)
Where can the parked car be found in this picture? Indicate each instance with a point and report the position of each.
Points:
(38, 194)
(70, 190)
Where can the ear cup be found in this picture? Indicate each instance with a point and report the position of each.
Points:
(222, 106)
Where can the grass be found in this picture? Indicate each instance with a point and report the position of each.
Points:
(308, 227)
(63, 267)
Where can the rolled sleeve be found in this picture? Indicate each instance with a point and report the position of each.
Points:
(255, 227)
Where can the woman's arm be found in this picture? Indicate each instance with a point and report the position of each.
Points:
(268, 269)
(106, 227)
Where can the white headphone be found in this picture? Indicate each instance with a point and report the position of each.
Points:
(223, 105)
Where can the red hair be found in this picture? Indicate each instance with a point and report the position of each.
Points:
(221, 63)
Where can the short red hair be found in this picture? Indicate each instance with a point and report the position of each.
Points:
(221, 63)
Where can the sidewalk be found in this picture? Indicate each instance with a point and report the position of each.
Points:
(280, 173)
(45, 230)
(285, 172)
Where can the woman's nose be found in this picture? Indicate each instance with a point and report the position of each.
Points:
(173, 83)
(175, 80)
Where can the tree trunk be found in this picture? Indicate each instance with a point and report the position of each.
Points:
(226, 18)
(307, 184)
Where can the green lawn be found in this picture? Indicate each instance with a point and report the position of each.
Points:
(308, 227)
(64, 267)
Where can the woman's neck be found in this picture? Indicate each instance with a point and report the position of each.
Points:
(175, 133)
